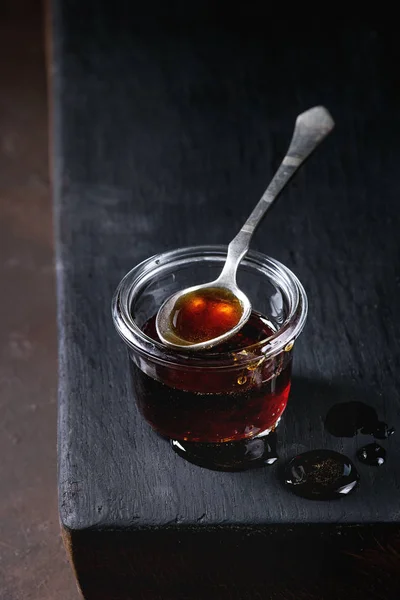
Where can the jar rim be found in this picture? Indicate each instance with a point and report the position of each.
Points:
(284, 279)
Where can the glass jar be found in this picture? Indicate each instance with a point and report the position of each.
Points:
(212, 403)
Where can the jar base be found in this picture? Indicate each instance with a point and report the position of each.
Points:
(230, 456)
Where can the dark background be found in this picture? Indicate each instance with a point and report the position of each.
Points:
(33, 563)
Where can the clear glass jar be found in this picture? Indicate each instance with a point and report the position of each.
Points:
(214, 398)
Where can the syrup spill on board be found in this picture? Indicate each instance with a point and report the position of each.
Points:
(347, 419)
(321, 475)
(372, 454)
(351, 418)
(382, 431)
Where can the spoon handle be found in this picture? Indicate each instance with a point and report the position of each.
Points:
(311, 128)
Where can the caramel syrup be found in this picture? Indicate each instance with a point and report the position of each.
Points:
(205, 314)
(218, 404)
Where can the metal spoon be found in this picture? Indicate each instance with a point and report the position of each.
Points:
(311, 128)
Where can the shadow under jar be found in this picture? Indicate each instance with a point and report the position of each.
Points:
(218, 407)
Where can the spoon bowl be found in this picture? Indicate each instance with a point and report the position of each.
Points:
(171, 339)
(310, 129)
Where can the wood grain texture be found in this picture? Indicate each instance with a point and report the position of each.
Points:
(167, 130)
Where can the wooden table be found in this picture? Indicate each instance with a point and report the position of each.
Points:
(166, 131)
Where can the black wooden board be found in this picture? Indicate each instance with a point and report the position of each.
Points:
(166, 131)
